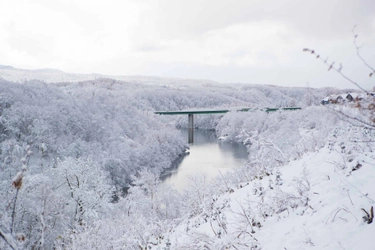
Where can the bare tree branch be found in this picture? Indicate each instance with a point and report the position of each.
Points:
(7, 240)
(368, 125)
(338, 70)
(358, 48)
(13, 212)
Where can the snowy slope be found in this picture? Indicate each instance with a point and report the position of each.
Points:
(319, 198)
(318, 206)
(316, 200)
(297, 191)
(333, 217)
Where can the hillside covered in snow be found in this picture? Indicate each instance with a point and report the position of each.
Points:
(81, 161)
(308, 184)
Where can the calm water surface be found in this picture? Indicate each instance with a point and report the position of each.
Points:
(208, 156)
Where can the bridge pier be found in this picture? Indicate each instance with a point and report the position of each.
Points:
(191, 128)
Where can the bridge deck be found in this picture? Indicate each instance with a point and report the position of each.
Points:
(188, 112)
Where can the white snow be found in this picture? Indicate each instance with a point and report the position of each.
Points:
(331, 220)
(307, 182)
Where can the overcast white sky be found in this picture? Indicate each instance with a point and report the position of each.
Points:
(247, 41)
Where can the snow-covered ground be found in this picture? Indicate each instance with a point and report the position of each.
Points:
(320, 196)
(318, 205)
(311, 188)
(307, 182)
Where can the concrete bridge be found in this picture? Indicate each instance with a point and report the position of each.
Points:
(191, 114)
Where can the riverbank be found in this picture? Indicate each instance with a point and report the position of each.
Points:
(208, 156)
(320, 201)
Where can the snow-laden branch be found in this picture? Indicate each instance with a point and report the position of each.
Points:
(8, 238)
(331, 65)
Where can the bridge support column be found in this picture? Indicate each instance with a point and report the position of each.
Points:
(191, 128)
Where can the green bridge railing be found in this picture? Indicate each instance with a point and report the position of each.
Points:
(187, 112)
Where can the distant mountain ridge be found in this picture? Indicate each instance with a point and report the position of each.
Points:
(48, 75)
(6, 67)
(51, 75)
(50, 70)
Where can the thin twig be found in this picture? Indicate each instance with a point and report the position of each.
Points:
(349, 197)
(341, 246)
(368, 125)
(338, 70)
(11, 244)
(337, 211)
(226, 184)
(358, 48)
(13, 212)
(363, 195)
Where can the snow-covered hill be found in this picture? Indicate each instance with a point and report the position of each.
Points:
(10, 73)
(66, 147)
(308, 185)
(315, 202)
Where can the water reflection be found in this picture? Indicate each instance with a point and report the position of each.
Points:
(208, 156)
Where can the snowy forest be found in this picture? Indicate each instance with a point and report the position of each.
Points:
(80, 166)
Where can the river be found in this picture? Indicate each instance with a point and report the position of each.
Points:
(208, 156)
